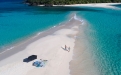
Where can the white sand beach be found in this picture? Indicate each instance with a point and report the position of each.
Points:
(102, 5)
(50, 47)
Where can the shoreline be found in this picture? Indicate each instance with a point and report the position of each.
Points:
(58, 58)
(82, 62)
(49, 45)
(34, 37)
(103, 5)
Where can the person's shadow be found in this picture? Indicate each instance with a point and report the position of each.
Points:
(64, 49)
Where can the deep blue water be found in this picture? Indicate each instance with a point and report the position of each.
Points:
(18, 21)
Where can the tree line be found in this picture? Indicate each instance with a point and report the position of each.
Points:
(67, 2)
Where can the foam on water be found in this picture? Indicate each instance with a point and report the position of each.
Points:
(37, 34)
(76, 18)
(10, 48)
(82, 62)
(54, 26)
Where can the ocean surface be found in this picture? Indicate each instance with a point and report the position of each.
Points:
(19, 21)
(104, 35)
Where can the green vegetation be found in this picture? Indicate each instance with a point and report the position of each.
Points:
(64, 2)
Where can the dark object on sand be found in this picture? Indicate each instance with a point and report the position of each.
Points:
(37, 63)
(30, 58)
(40, 63)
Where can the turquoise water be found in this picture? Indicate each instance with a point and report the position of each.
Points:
(18, 21)
(104, 33)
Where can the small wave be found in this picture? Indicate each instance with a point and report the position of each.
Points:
(75, 17)
(59, 23)
(10, 48)
(54, 26)
(71, 18)
(37, 34)
(82, 23)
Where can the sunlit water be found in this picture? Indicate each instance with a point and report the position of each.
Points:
(18, 21)
(104, 35)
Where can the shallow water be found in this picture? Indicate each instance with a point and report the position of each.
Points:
(104, 34)
(103, 30)
(18, 21)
